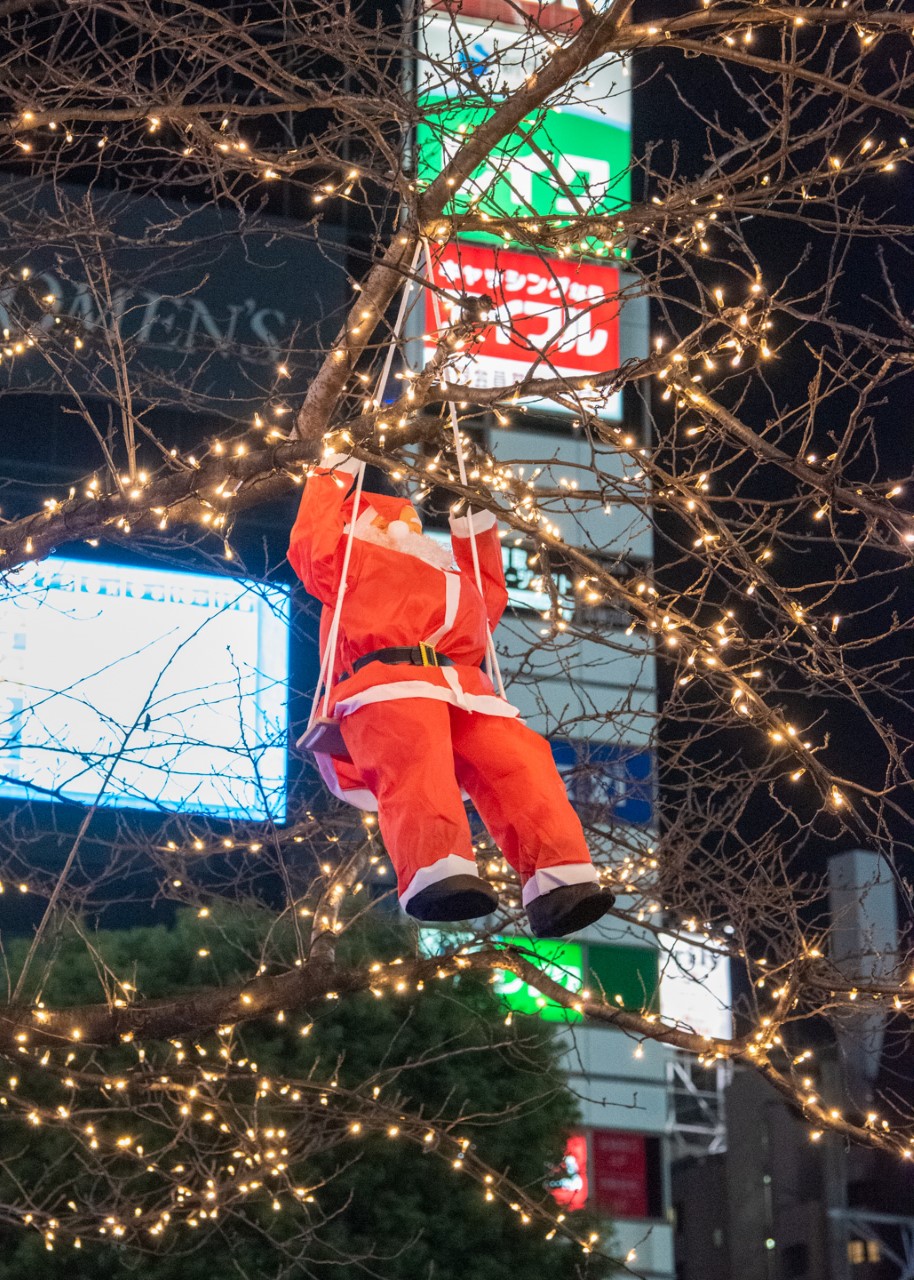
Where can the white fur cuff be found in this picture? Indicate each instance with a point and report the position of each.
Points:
(451, 865)
(482, 522)
(549, 878)
(339, 462)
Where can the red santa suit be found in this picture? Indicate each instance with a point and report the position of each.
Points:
(420, 735)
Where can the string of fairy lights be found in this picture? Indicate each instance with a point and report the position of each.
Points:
(396, 979)
(786, 735)
(261, 1157)
(528, 510)
(258, 1164)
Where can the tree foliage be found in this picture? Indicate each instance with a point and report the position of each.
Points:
(485, 1092)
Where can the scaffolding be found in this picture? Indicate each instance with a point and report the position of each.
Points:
(891, 1233)
(696, 1123)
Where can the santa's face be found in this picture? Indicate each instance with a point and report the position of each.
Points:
(403, 534)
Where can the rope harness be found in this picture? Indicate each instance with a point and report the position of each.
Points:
(323, 734)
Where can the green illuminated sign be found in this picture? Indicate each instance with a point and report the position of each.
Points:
(621, 973)
(563, 962)
(628, 976)
(559, 162)
(555, 163)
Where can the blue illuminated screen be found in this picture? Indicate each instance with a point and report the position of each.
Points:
(145, 689)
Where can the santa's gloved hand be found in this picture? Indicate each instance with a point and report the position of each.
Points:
(482, 520)
(333, 461)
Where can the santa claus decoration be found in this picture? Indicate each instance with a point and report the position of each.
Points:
(420, 723)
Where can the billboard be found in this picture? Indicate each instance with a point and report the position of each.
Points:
(550, 319)
(563, 962)
(695, 987)
(627, 975)
(614, 777)
(558, 162)
(555, 15)
(144, 689)
(686, 984)
(620, 1173)
(568, 1182)
(554, 317)
(207, 306)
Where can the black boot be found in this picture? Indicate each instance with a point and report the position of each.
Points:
(565, 910)
(455, 898)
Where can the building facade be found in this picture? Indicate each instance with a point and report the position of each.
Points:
(782, 1201)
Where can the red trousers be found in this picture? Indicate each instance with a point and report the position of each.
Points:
(417, 753)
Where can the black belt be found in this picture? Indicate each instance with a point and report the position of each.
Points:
(416, 655)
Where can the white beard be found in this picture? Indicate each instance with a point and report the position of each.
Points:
(412, 544)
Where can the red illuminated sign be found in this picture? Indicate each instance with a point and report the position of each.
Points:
(568, 1184)
(515, 13)
(561, 318)
(620, 1173)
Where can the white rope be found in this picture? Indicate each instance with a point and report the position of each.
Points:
(494, 670)
(325, 678)
(341, 593)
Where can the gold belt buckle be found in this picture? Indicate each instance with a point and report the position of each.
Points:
(425, 650)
